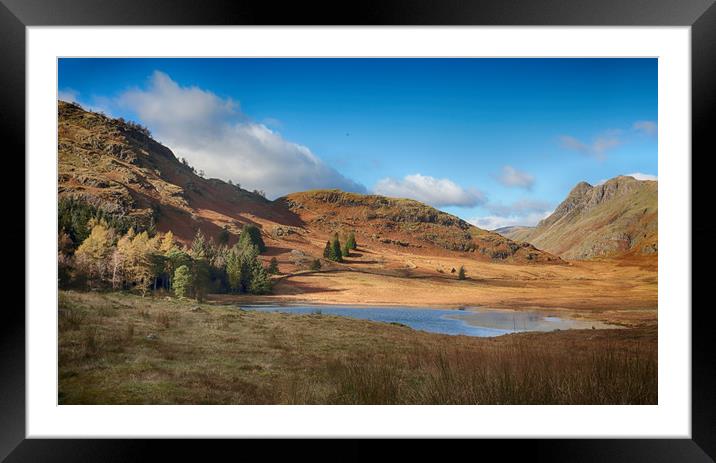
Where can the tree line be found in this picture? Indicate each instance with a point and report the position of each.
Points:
(141, 261)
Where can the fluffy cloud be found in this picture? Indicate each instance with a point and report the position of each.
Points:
(514, 178)
(215, 136)
(646, 127)
(640, 176)
(436, 192)
(597, 148)
(526, 212)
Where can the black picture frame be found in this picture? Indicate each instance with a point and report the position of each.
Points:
(16, 15)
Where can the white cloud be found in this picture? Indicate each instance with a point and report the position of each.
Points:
(492, 222)
(636, 175)
(640, 176)
(599, 146)
(525, 212)
(646, 127)
(436, 192)
(215, 136)
(515, 178)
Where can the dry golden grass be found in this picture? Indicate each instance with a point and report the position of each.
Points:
(124, 349)
(623, 291)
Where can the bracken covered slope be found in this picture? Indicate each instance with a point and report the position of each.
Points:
(616, 218)
(118, 167)
(406, 223)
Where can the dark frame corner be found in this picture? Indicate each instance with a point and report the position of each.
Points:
(16, 15)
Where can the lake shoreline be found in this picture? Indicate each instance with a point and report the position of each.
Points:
(608, 316)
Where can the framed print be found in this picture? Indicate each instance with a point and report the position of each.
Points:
(424, 221)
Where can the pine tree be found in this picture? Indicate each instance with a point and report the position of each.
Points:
(233, 271)
(346, 250)
(182, 281)
(199, 246)
(251, 235)
(224, 236)
(201, 279)
(351, 241)
(273, 266)
(336, 254)
(327, 250)
(260, 279)
(461, 275)
(175, 258)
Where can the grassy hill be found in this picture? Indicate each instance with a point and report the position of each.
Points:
(616, 218)
(407, 224)
(117, 167)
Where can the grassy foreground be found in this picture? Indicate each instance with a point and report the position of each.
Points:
(123, 349)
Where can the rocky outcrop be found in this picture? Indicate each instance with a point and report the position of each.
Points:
(617, 217)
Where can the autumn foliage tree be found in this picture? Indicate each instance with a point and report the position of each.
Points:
(148, 261)
(94, 252)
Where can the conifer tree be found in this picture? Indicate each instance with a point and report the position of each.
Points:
(327, 250)
(233, 271)
(174, 259)
(260, 279)
(199, 246)
(273, 266)
(95, 251)
(201, 279)
(182, 281)
(345, 250)
(249, 259)
(461, 275)
(336, 253)
(251, 235)
(140, 265)
(351, 241)
(167, 242)
(224, 236)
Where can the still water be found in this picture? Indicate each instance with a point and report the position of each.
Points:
(470, 322)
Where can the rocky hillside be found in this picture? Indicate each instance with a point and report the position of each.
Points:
(117, 167)
(406, 224)
(618, 217)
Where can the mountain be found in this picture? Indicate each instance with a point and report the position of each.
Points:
(511, 230)
(117, 167)
(615, 218)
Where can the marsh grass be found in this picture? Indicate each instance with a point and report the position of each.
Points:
(159, 351)
(519, 374)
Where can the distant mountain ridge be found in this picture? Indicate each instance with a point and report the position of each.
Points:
(617, 217)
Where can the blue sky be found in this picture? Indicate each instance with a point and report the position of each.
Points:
(494, 141)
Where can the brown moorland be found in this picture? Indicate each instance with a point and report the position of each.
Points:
(123, 349)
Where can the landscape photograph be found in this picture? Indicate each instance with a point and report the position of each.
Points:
(368, 231)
